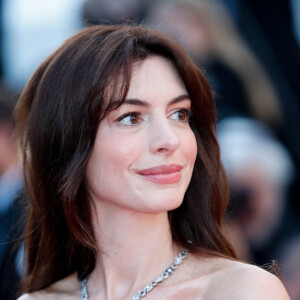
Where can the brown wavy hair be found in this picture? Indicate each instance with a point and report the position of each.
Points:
(57, 118)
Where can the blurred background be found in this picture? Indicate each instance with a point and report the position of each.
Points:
(248, 50)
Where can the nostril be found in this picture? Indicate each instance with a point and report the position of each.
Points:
(163, 139)
(161, 150)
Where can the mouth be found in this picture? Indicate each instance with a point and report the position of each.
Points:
(164, 174)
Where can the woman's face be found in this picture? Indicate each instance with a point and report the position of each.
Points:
(144, 152)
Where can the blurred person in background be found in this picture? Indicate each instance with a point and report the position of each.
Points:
(11, 184)
(259, 170)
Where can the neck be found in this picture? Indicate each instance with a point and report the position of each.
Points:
(133, 249)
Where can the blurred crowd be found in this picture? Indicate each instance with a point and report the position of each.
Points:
(249, 50)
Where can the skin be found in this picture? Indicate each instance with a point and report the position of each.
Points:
(130, 217)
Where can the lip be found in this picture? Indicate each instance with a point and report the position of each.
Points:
(164, 174)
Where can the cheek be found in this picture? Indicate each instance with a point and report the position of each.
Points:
(189, 146)
(111, 157)
(122, 151)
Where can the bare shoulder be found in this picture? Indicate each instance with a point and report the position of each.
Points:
(214, 278)
(35, 296)
(26, 297)
(66, 289)
(237, 280)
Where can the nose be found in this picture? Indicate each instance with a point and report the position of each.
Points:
(163, 137)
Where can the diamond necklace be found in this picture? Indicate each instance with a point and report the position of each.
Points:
(142, 293)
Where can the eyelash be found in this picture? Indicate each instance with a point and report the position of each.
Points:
(135, 114)
(188, 115)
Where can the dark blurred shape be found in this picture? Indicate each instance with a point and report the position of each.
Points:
(295, 11)
(12, 258)
(113, 11)
(11, 184)
(239, 205)
(268, 27)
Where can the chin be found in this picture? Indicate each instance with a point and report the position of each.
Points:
(166, 203)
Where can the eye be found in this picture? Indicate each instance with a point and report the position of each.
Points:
(130, 119)
(182, 115)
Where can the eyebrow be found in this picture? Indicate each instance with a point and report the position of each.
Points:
(139, 102)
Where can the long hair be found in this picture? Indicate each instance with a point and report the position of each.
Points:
(57, 118)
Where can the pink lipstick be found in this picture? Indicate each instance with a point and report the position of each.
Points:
(164, 174)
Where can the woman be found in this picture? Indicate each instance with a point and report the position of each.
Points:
(123, 175)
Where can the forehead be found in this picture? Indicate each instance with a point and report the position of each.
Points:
(154, 77)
